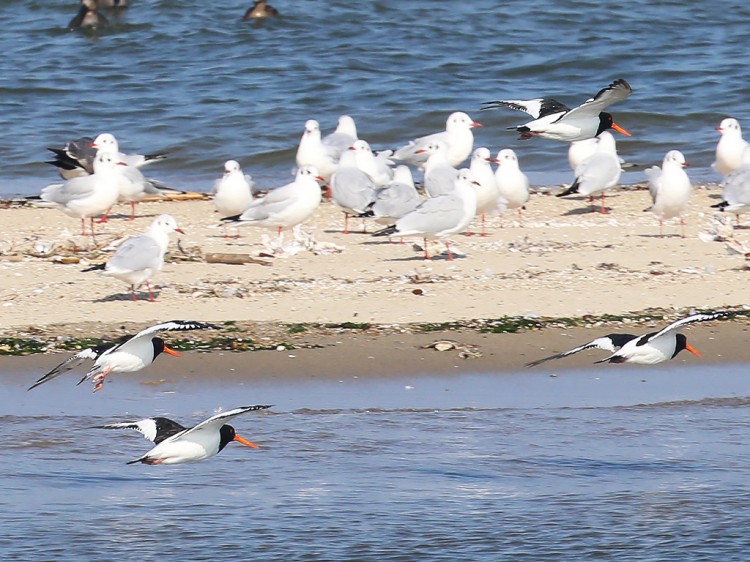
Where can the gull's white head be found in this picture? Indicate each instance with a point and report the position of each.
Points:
(231, 166)
(460, 121)
(674, 158)
(730, 126)
(106, 141)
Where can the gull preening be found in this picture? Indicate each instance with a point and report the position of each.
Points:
(554, 120)
(598, 172)
(126, 355)
(670, 189)
(176, 444)
(139, 258)
(458, 138)
(647, 349)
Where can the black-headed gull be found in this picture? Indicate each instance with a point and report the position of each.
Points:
(458, 138)
(439, 175)
(87, 196)
(553, 120)
(351, 189)
(512, 183)
(233, 192)
(440, 216)
(259, 10)
(283, 207)
(670, 189)
(598, 172)
(730, 148)
(735, 193)
(647, 349)
(313, 152)
(486, 190)
(126, 355)
(141, 257)
(88, 16)
(395, 199)
(177, 444)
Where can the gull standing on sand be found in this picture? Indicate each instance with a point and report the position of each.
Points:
(313, 152)
(351, 189)
(176, 444)
(395, 199)
(730, 148)
(233, 192)
(648, 349)
(735, 194)
(439, 175)
(486, 189)
(512, 183)
(440, 216)
(670, 189)
(126, 355)
(458, 139)
(139, 258)
(598, 172)
(87, 196)
(283, 207)
(553, 120)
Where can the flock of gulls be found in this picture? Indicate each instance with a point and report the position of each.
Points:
(372, 185)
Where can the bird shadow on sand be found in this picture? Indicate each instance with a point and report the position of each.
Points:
(119, 297)
(672, 235)
(586, 211)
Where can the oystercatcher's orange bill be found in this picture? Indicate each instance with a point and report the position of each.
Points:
(619, 129)
(245, 442)
(172, 351)
(692, 350)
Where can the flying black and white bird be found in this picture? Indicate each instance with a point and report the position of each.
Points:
(647, 349)
(177, 444)
(126, 355)
(554, 120)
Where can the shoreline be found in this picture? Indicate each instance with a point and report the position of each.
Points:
(560, 270)
(340, 353)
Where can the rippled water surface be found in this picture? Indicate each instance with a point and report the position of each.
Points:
(191, 78)
(597, 465)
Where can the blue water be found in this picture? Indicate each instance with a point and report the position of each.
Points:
(192, 78)
(626, 464)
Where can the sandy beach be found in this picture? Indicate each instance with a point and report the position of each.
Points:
(576, 272)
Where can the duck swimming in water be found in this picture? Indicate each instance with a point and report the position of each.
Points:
(260, 9)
